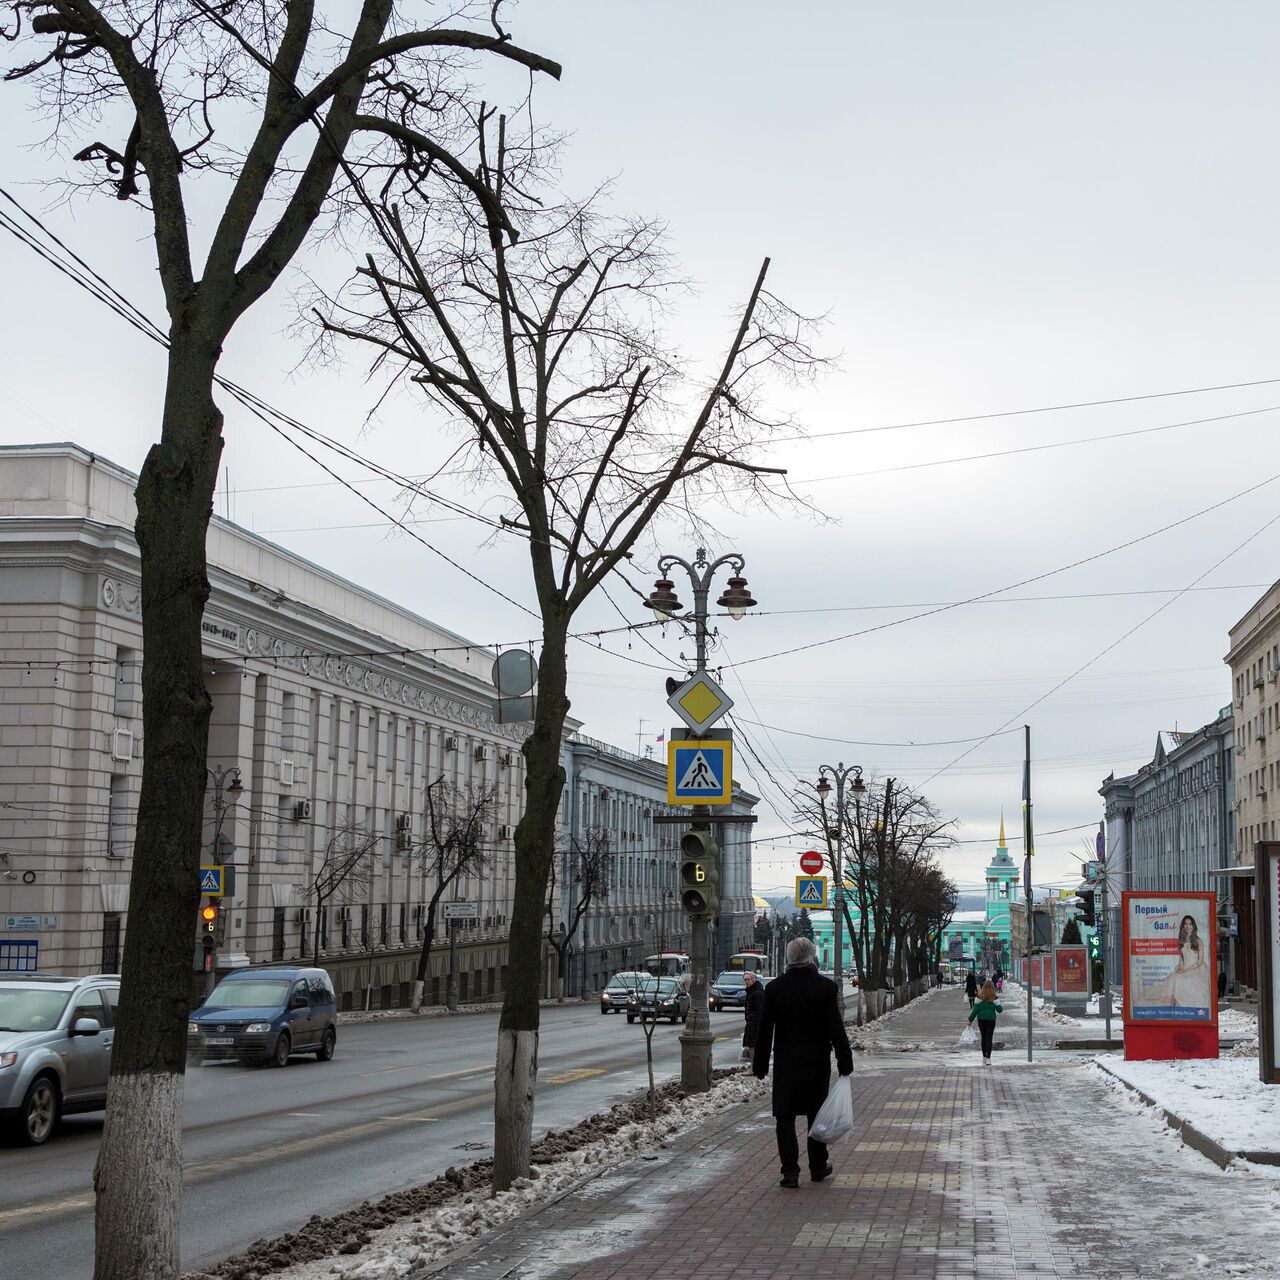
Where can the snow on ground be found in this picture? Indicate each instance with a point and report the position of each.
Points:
(1222, 1097)
(406, 1246)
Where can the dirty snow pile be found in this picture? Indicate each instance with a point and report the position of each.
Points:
(1222, 1097)
(408, 1230)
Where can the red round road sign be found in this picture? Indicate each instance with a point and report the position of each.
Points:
(811, 862)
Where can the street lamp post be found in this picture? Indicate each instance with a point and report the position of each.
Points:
(696, 1039)
(230, 780)
(823, 788)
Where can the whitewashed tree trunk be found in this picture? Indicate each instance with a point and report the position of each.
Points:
(515, 1078)
(415, 1000)
(141, 1153)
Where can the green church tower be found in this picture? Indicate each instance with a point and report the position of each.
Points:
(1002, 887)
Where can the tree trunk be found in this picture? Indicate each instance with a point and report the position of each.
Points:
(138, 1177)
(424, 956)
(517, 1053)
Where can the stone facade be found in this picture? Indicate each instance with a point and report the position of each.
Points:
(1170, 825)
(337, 707)
(615, 795)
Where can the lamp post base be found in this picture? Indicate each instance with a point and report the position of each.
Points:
(695, 1058)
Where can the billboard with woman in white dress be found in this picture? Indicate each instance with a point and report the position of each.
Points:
(1169, 952)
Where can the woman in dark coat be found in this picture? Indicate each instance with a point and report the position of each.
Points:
(754, 1009)
(801, 1024)
(971, 987)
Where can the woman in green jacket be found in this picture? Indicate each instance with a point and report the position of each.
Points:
(985, 1011)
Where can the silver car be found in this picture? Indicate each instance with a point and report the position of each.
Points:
(55, 1049)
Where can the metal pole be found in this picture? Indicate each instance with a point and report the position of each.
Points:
(696, 1039)
(1026, 871)
(1105, 994)
(451, 986)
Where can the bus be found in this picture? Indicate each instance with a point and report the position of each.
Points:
(753, 959)
(670, 964)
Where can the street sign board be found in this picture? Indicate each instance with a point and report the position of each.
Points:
(462, 911)
(811, 892)
(811, 862)
(22, 924)
(699, 702)
(19, 955)
(700, 771)
(1093, 871)
(211, 881)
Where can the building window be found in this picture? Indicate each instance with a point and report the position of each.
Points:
(364, 924)
(117, 820)
(288, 721)
(404, 922)
(277, 934)
(110, 943)
(126, 683)
(305, 918)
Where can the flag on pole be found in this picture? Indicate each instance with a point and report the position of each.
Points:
(662, 737)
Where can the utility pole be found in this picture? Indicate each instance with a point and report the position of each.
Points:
(234, 787)
(700, 858)
(1105, 993)
(1027, 849)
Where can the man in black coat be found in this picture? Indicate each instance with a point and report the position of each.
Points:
(754, 1009)
(801, 1024)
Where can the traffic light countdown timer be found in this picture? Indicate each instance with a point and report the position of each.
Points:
(700, 872)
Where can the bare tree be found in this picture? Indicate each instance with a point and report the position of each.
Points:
(548, 356)
(346, 869)
(154, 97)
(455, 846)
(591, 857)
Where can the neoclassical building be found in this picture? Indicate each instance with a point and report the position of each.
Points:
(986, 936)
(336, 707)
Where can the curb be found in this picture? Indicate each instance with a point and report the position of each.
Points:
(1192, 1137)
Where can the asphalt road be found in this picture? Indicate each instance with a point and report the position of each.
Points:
(265, 1149)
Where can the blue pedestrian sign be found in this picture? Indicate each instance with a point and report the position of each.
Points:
(211, 881)
(700, 771)
(811, 892)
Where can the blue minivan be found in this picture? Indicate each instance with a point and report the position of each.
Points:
(264, 1015)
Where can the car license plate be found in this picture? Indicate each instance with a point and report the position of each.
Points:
(220, 1040)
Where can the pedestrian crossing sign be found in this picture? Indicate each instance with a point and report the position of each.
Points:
(700, 771)
(811, 892)
(211, 879)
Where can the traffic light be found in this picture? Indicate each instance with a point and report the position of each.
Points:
(1095, 946)
(1087, 914)
(699, 872)
(211, 924)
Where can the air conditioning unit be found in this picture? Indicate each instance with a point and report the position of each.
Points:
(122, 744)
(505, 832)
(344, 915)
(451, 742)
(300, 916)
(404, 841)
(482, 751)
(1273, 674)
(1240, 702)
(286, 773)
(1257, 682)
(404, 822)
(301, 810)
(509, 757)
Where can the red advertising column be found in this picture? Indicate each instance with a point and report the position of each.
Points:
(1071, 971)
(1170, 988)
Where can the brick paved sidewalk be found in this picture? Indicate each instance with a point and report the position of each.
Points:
(953, 1172)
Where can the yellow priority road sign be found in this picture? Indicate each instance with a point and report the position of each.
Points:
(699, 702)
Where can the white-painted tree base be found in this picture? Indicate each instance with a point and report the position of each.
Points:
(138, 1179)
(515, 1080)
(415, 1000)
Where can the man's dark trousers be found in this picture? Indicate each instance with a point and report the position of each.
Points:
(789, 1146)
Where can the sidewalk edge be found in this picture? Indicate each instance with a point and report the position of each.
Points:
(1192, 1137)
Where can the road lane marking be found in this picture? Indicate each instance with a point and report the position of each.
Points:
(416, 1119)
(304, 1115)
(386, 1071)
(570, 1077)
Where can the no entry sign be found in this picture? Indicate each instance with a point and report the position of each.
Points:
(811, 862)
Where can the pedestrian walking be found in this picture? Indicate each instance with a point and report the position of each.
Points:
(971, 987)
(800, 1025)
(998, 978)
(985, 1012)
(754, 1008)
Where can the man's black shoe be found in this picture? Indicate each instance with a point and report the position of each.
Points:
(823, 1173)
(791, 1180)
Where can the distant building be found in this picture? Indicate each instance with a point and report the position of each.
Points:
(984, 937)
(613, 796)
(1254, 659)
(1170, 825)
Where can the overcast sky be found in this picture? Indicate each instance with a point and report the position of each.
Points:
(1002, 207)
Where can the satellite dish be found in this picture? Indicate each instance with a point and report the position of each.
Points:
(514, 673)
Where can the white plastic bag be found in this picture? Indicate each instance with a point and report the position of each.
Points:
(969, 1035)
(835, 1116)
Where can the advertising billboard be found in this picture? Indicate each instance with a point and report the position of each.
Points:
(1267, 878)
(1169, 949)
(1071, 970)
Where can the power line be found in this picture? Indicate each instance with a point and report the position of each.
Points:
(1018, 413)
(1039, 577)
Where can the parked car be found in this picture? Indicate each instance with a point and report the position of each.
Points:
(619, 989)
(728, 991)
(659, 998)
(55, 1049)
(265, 1015)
